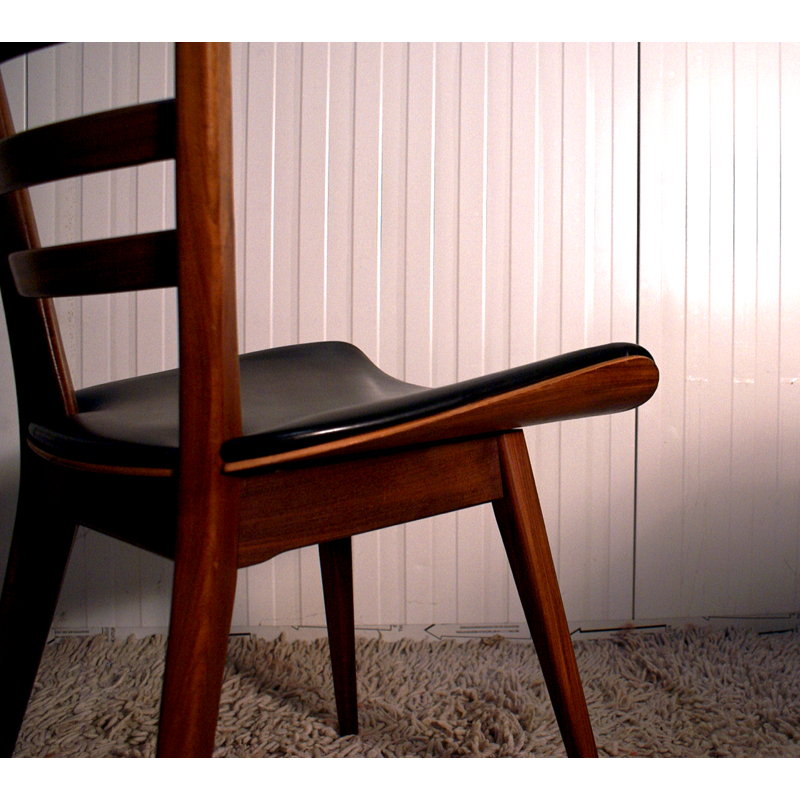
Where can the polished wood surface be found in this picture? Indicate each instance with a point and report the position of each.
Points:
(123, 264)
(519, 517)
(106, 469)
(336, 566)
(210, 412)
(293, 508)
(122, 137)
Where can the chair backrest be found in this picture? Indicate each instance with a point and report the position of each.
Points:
(197, 257)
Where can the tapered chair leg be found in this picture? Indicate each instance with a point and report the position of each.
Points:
(519, 517)
(336, 562)
(40, 548)
(204, 586)
(196, 652)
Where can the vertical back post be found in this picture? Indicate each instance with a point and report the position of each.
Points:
(210, 413)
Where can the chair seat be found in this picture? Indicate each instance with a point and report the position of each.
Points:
(292, 398)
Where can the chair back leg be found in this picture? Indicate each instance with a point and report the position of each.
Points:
(336, 563)
(43, 536)
(519, 517)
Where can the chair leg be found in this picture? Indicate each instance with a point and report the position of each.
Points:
(203, 590)
(336, 562)
(40, 548)
(519, 517)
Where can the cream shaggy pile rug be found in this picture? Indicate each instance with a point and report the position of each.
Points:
(675, 693)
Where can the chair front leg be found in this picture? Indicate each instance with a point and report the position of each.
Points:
(519, 517)
(203, 591)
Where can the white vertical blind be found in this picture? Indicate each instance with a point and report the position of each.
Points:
(452, 209)
(718, 471)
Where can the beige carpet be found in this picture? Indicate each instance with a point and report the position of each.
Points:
(676, 693)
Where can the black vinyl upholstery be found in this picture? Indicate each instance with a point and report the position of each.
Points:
(292, 397)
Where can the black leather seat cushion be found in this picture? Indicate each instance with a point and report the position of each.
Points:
(292, 397)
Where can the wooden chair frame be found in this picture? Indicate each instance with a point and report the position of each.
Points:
(213, 517)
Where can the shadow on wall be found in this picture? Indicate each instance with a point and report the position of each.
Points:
(9, 446)
(9, 486)
(113, 584)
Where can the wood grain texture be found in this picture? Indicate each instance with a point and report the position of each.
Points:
(292, 508)
(519, 517)
(210, 412)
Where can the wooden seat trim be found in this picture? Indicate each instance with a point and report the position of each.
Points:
(112, 504)
(108, 469)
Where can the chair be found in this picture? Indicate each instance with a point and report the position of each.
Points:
(243, 457)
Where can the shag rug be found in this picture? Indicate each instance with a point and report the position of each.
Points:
(693, 692)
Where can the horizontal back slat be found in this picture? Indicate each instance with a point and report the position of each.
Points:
(123, 264)
(123, 137)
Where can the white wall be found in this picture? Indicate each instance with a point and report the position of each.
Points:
(453, 210)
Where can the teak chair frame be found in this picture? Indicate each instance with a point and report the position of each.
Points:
(212, 516)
